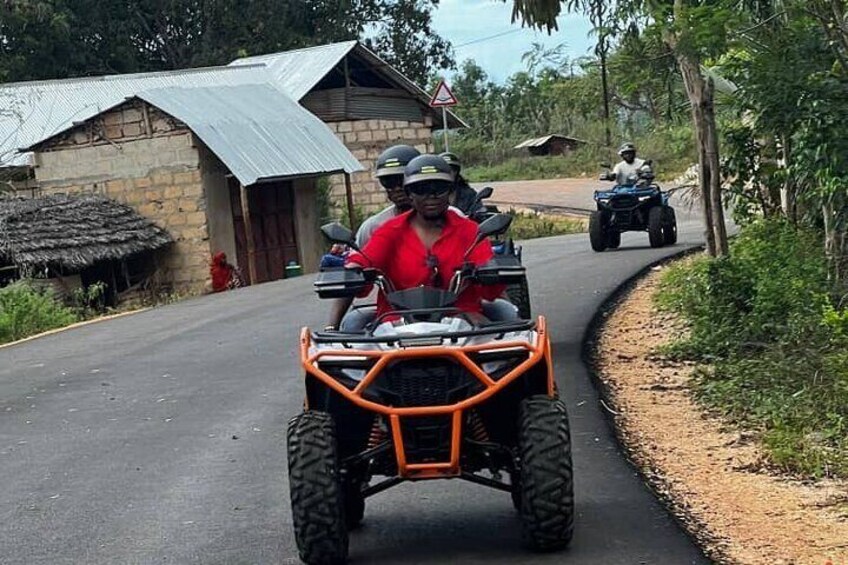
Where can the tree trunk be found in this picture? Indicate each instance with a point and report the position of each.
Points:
(787, 191)
(695, 90)
(712, 152)
(834, 240)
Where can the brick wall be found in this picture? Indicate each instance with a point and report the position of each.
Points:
(366, 139)
(155, 168)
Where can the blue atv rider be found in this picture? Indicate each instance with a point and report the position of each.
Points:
(635, 203)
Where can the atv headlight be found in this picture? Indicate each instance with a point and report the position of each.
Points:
(498, 362)
(348, 370)
(644, 198)
(604, 200)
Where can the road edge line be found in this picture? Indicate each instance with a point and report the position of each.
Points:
(691, 525)
(74, 326)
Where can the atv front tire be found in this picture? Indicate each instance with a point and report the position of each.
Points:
(354, 504)
(519, 295)
(317, 497)
(614, 239)
(546, 479)
(597, 233)
(656, 219)
(670, 228)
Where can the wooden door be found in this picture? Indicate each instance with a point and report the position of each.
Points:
(271, 212)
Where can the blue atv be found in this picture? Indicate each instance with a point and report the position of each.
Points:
(519, 292)
(639, 205)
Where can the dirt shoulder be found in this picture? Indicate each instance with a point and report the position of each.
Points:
(712, 476)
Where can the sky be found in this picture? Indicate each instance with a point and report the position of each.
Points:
(469, 25)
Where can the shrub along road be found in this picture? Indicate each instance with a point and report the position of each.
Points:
(160, 437)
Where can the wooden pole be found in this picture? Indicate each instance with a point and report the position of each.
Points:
(349, 194)
(248, 234)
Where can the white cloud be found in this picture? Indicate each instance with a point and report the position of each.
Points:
(466, 21)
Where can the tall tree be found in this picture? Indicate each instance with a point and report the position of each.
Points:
(65, 38)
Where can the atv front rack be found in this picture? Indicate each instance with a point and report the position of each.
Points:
(536, 352)
(498, 329)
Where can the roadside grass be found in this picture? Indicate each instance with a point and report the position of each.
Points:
(25, 311)
(771, 336)
(531, 225)
(671, 149)
(533, 168)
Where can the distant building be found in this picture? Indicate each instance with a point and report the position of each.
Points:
(553, 144)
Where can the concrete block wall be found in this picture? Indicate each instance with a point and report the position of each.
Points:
(158, 175)
(366, 139)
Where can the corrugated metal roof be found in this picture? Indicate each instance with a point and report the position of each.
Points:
(256, 130)
(37, 110)
(539, 141)
(297, 72)
(43, 108)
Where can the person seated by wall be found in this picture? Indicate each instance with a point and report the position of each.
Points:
(225, 276)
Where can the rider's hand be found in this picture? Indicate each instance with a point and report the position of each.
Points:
(468, 269)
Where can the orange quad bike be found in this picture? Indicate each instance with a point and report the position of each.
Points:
(427, 392)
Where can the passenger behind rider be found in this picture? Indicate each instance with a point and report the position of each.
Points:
(626, 170)
(389, 172)
(463, 196)
(427, 244)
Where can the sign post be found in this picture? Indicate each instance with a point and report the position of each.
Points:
(442, 98)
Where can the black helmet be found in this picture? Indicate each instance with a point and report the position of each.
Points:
(452, 160)
(626, 148)
(427, 168)
(394, 159)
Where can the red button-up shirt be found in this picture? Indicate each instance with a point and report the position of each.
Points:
(397, 251)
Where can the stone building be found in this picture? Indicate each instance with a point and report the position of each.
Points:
(229, 168)
(86, 138)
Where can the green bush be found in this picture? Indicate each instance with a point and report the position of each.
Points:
(764, 318)
(774, 285)
(25, 311)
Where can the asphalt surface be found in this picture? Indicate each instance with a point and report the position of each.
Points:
(160, 438)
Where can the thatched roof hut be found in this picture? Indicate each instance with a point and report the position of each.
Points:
(73, 232)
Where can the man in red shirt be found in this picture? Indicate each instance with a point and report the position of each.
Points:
(426, 245)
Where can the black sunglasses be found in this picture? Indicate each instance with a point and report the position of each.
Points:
(392, 182)
(429, 189)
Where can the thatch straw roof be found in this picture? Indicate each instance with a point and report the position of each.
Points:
(73, 232)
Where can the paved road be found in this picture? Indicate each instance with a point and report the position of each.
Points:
(159, 438)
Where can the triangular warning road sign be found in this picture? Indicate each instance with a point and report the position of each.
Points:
(443, 96)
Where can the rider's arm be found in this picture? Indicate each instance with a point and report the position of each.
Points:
(377, 252)
(338, 310)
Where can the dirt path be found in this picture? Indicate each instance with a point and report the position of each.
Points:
(712, 476)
